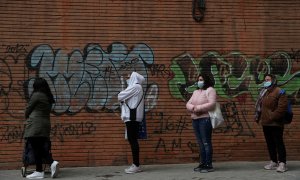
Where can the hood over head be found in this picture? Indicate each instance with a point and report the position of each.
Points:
(136, 78)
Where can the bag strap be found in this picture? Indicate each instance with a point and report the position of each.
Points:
(138, 103)
(206, 93)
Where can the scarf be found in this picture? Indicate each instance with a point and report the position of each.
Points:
(258, 103)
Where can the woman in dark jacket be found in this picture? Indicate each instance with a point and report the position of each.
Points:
(270, 108)
(37, 131)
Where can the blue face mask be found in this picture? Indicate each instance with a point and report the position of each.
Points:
(267, 84)
(200, 84)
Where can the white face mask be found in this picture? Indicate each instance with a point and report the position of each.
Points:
(127, 81)
(200, 84)
(267, 84)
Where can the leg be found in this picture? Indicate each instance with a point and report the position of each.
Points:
(196, 127)
(37, 144)
(206, 133)
(271, 144)
(132, 135)
(278, 137)
(54, 165)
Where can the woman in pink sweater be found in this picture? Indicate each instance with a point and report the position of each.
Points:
(202, 101)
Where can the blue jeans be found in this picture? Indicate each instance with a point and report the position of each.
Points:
(203, 131)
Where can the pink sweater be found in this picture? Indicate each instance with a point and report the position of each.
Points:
(200, 104)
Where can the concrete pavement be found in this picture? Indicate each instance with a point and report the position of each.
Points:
(223, 171)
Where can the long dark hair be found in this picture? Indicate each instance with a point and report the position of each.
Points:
(207, 81)
(41, 85)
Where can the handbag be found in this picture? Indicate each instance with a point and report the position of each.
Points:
(132, 112)
(216, 117)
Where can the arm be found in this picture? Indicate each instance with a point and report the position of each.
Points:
(127, 93)
(31, 104)
(210, 105)
(189, 105)
(281, 107)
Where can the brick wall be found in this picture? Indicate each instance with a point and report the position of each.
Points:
(82, 49)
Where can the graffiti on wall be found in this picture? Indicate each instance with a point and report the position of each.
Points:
(235, 76)
(59, 131)
(91, 79)
(12, 79)
(87, 80)
(168, 124)
(234, 73)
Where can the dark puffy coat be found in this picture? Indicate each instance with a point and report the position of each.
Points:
(273, 108)
(37, 115)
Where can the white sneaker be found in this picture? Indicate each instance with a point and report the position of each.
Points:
(133, 169)
(54, 169)
(272, 165)
(35, 175)
(282, 167)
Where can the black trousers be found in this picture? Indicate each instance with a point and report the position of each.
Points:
(132, 136)
(38, 147)
(274, 140)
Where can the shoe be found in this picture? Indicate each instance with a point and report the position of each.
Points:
(272, 165)
(281, 167)
(35, 175)
(133, 169)
(206, 169)
(198, 168)
(54, 169)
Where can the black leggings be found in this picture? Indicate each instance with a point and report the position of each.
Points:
(274, 139)
(38, 147)
(132, 136)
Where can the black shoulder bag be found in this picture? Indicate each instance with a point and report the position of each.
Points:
(132, 115)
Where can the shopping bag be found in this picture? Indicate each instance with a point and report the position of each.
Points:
(216, 116)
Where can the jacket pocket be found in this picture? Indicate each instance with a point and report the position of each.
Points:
(269, 117)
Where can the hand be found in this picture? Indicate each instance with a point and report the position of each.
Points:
(197, 111)
(193, 109)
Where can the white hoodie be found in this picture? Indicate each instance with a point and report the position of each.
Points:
(132, 95)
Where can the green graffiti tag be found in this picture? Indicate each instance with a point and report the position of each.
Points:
(233, 73)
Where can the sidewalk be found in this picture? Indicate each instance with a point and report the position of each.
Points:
(223, 171)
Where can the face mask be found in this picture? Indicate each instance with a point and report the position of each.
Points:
(127, 81)
(267, 84)
(200, 84)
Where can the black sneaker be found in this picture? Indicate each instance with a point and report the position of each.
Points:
(199, 167)
(206, 169)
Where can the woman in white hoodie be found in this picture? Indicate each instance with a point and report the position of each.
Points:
(132, 113)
